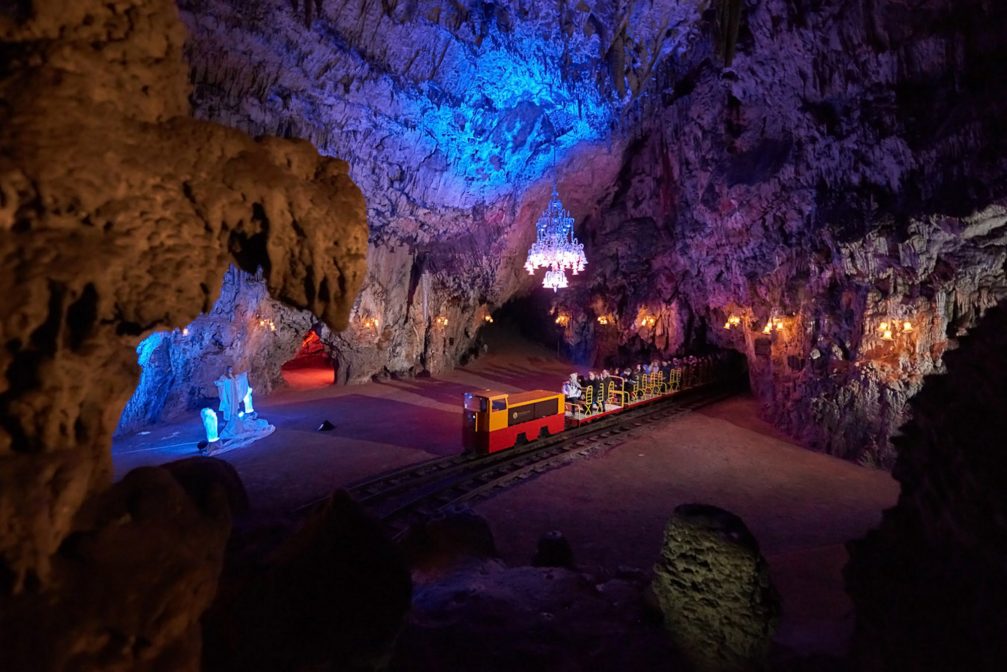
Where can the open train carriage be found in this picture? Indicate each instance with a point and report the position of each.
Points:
(496, 420)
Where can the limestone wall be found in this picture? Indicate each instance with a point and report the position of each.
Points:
(120, 215)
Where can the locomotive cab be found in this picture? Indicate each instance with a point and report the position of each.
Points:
(495, 420)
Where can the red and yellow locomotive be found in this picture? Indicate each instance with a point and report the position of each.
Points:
(496, 420)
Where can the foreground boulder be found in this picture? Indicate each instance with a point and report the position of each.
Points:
(131, 581)
(713, 587)
(553, 550)
(447, 540)
(332, 596)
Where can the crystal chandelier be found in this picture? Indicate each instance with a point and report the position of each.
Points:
(555, 247)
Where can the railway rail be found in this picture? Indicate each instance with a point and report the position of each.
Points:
(407, 495)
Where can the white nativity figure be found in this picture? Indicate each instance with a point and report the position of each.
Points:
(240, 420)
(210, 425)
(232, 390)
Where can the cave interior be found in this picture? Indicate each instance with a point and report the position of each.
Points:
(594, 335)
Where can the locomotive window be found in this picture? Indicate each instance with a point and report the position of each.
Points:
(499, 404)
(475, 403)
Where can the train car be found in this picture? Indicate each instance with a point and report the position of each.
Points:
(496, 420)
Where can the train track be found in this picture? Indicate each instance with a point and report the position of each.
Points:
(413, 493)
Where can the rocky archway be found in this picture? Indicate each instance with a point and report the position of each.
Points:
(121, 216)
(312, 366)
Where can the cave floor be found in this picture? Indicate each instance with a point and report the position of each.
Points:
(378, 426)
(801, 506)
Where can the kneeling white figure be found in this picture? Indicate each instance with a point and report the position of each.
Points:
(242, 424)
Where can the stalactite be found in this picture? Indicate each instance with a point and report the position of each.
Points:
(728, 25)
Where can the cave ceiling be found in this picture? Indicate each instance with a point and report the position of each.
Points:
(438, 105)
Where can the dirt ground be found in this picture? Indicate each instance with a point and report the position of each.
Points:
(800, 505)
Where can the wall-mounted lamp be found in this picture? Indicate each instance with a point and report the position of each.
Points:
(488, 319)
(441, 321)
(732, 321)
(267, 323)
(370, 322)
(774, 324)
(888, 327)
(603, 320)
(648, 321)
(562, 319)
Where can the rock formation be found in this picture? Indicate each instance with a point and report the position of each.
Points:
(120, 215)
(713, 587)
(246, 328)
(844, 171)
(331, 596)
(930, 585)
(130, 582)
(836, 164)
(449, 114)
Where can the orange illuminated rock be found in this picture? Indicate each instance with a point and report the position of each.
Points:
(120, 215)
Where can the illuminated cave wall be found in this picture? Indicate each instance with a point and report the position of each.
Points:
(121, 216)
(246, 329)
(451, 116)
(847, 168)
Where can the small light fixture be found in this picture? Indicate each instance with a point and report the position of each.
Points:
(488, 319)
(888, 327)
(562, 319)
(185, 331)
(370, 322)
(775, 323)
(441, 321)
(267, 324)
(602, 320)
(648, 321)
(732, 321)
